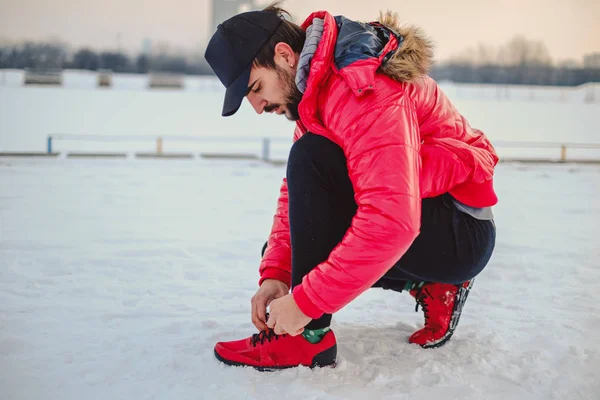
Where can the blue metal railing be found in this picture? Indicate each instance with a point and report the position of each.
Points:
(267, 142)
(265, 153)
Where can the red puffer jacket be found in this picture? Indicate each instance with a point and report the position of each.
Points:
(403, 139)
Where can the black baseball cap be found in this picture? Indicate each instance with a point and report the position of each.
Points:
(233, 48)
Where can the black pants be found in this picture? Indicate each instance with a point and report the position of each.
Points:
(452, 246)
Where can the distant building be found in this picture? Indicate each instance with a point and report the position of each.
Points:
(569, 64)
(147, 47)
(224, 9)
(591, 60)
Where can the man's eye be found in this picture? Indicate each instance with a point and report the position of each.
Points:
(257, 89)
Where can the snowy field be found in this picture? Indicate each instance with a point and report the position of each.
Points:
(29, 114)
(118, 277)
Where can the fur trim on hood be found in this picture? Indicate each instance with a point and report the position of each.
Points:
(414, 57)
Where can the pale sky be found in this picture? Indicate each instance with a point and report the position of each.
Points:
(570, 28)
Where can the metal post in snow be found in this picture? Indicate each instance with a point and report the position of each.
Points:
(159, 145)
(563, 153)
(266, 149)
(49, 144)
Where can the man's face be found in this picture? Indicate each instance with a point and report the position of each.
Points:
(274, 90)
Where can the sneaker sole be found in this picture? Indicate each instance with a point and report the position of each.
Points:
(320, 360)
(463, 293)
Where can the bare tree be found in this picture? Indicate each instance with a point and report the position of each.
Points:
(528, 61)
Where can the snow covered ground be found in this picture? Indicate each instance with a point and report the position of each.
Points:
(117, 278)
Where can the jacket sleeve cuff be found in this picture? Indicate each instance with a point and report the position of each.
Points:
(277, 274)
(305, 304)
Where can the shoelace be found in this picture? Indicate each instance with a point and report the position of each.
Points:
(263, 335)
(420, 298)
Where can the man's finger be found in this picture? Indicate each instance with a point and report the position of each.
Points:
(256, 320)
(271, 322)
(278, 329)
(261, 310)
(299, 331)
(258, 323)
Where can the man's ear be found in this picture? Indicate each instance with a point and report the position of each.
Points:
(284, 54)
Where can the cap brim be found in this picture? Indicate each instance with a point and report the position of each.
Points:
(235, 93)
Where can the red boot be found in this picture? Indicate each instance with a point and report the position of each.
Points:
(267, 351)
(442, 305)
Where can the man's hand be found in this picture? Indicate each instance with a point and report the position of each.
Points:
(286, 317)
(268, 291)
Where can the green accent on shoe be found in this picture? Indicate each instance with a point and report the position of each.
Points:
(315, 335)
(410, 285)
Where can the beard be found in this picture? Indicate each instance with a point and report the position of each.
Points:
(292, 96)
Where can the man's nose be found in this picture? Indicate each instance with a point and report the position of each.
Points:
(257, 103)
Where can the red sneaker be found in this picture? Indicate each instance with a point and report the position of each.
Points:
(442, 305)
(267, 351)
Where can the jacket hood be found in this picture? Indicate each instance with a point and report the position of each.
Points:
(358, 49)
(414, 56)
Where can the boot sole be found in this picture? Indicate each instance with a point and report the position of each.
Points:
(456, 313)
(321, 360)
